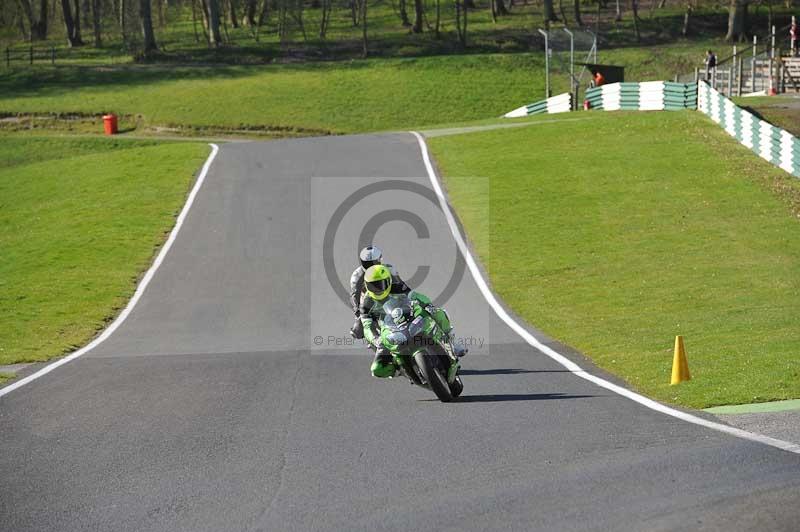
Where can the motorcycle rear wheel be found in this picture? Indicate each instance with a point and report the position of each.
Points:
(436, 377)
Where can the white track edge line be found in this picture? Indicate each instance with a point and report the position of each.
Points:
(558, 357)
(148, 276)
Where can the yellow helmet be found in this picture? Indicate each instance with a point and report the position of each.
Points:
(378, 280)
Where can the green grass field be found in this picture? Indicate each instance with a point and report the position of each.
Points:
(312, 98)
(782, 111)
(315, 98)
(618, 233)
(80, 220)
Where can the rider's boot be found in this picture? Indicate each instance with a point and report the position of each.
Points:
(383, 364)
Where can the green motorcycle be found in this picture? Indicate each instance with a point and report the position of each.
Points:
(420, 348)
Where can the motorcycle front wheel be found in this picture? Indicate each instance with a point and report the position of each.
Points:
(457, 387)
(434, 374)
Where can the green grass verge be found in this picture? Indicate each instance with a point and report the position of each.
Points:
(781, 111)
(80, 220)
(616, 236)
(314, 98)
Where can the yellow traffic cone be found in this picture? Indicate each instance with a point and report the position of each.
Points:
(680, 366)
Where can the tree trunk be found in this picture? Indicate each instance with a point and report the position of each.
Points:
(500, 7)
(234, 17)
(549, 12)
(149, 39)
(96, 17)
(686, 17)
(27, 10)
(461, 22)
(122, 21)
(737, 15)
(77, 23)
(86, 12)
(438, 17)
(263, 16)
(468, 4)
(39, 29)
(403, 13)
(250, 13)
(214, 36)
(635, 9)
(417, 27)
(69, 23)
(577, 13)
(364, 41)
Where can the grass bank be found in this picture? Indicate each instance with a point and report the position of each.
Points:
(79, 222)
(782, 111)
(657, 224)
(313, 98)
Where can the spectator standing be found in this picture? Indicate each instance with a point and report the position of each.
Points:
(711, 64)
(599, 79)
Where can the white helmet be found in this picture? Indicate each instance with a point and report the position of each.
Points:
(370, 256)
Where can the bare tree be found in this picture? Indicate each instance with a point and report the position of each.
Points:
(577, 12)
(234, 17)
(96, 18)
(737, 18)
(402, 12)
(418, 16)
(686, 16)
(38, 25)
(214, 36)
(77, 22)
(73, 38)
(364, 41)
(149, 39)
(326, 8)
(250, 13)
(548, 13)
(635, 9)
(500, 7)
(263, 15)
(461, 22)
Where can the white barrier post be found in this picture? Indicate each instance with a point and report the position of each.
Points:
(753, 65)
(771, 62)
(572, 82)
(546, 64)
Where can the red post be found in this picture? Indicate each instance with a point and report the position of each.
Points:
(110, 124)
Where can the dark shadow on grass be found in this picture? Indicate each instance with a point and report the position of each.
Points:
(496, 398)
(509, 371)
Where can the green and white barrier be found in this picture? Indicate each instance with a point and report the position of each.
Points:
(771, 143)
(644, 96)
(555, 104)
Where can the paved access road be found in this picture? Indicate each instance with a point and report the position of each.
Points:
(212, 408)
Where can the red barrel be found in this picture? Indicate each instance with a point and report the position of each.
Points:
(110, 124)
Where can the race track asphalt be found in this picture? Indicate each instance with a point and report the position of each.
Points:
(213, 407)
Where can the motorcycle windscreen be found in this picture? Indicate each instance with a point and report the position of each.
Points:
(398, 312)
